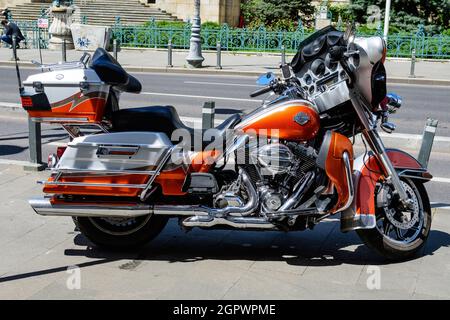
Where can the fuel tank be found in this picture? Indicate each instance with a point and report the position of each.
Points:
(294, 120)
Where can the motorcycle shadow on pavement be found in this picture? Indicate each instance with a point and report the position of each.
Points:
(6, 149)
(324, 246)
(308, 248)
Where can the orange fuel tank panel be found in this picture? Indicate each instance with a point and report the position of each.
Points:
(292, 120)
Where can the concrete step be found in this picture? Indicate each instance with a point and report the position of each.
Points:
(128, 9)
(100, 11)
(97, 13)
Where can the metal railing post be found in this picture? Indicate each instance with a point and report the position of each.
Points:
(115, 49)
(413, 64)
(169, 54)
(63, 51)
(34, 139)
(39, 44)
(219, 55)
(16, 58)
(208, 112)
(427, 142)
(283, 55)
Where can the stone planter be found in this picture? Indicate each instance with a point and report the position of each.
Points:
(60, 28)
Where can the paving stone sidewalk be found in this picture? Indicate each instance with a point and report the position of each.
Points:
(323, 263)
(239, 63)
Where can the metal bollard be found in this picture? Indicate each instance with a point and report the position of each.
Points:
(35, 142)
(283, 55)
(115, 49)
(413, 64)
(208, 115)
(219, 56)
(169, 54)
(427, 142)
(64, 51)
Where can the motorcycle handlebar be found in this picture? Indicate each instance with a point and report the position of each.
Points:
(261, 91)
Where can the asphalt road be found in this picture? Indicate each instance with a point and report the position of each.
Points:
(187, 94)
(231, 93)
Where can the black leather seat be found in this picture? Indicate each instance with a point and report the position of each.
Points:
(111, 72)
(165, 119)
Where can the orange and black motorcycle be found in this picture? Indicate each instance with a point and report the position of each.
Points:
(286, 166)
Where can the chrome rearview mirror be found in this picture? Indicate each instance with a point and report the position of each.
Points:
(265, 79)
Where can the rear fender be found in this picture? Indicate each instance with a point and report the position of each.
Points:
(367, 173)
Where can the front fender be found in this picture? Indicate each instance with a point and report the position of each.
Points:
(367, 173)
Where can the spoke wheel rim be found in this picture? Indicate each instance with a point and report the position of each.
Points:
(400, 232)
(120, 226)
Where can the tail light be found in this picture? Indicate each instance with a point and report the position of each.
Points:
(53, 158)
(60, 152)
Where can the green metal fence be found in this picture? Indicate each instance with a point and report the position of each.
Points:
(263, 40)
(33, 34)
(256, 40)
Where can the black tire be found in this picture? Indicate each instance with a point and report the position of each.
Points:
(125, 235)
(392, 250)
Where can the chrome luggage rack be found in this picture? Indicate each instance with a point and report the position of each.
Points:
(145, 187)
(80, 64)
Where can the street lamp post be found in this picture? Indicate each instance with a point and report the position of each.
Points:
(387, 13)
(195, 57)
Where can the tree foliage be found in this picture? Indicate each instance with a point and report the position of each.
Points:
(407, 14)
(276, 14)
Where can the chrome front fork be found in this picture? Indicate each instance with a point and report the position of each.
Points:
(376, 144)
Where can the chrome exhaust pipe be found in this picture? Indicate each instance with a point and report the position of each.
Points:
(297, 196)
(249, 208)
(44, 207)
(234, 222)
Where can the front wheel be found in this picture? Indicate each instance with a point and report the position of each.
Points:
(122, 233)
(399, 234)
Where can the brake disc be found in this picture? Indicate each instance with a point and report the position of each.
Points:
(396, 216)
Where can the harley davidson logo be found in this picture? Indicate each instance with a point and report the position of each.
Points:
(302, 118)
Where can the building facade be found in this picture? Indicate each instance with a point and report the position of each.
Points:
(220, 11)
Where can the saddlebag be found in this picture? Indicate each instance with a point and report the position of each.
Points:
(112, 164)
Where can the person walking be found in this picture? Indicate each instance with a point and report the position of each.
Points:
(11, 30)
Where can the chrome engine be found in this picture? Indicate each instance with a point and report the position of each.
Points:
(295, 160)
(276, 170)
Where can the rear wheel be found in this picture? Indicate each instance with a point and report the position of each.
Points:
(399, 234)
(122, 233)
